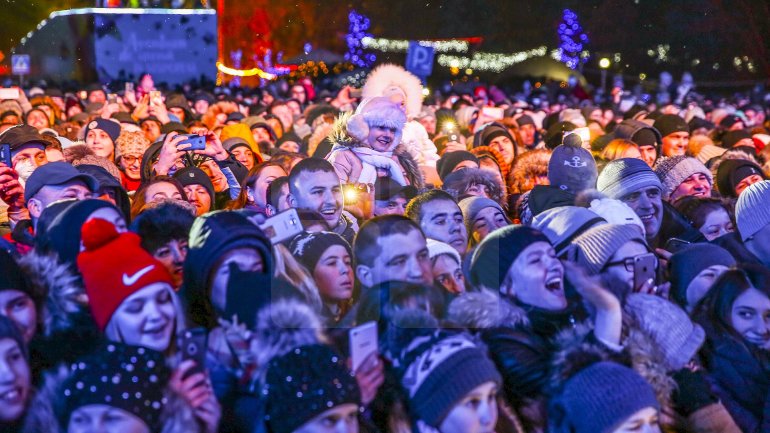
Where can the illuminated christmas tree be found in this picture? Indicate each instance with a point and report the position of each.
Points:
(357, 30)
(572, 41)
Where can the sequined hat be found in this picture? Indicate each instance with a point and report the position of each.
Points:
(130, 378)
(304, 383)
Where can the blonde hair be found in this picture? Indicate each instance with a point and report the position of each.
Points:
(288, 268)
(616, 148)
(113, 333)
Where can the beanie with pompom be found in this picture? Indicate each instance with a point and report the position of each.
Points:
(114, 266)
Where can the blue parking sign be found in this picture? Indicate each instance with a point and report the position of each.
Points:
(20, 64)
(419, 59)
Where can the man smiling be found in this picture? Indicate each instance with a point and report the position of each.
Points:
(315, 186)
(632, 181)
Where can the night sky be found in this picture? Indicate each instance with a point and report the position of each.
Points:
(704, 36)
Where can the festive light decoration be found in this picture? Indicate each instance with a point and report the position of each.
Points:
(357, 28)
(245, 72)
(490, 61)
(572, 41)
(402, 45)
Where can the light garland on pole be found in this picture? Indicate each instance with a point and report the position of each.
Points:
(496, 62)
(402, 45)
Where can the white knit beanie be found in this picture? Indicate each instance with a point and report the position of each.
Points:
(752, 212)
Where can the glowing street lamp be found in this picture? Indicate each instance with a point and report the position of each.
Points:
(604, 63)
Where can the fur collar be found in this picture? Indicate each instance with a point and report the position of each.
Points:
(485, 309)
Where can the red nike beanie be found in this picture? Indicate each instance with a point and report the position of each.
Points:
(114, 266)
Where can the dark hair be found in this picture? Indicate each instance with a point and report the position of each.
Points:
(8, 329)
(163, 224)
(310, 165)
(414, 207)
(715, 309)
(285, 159)
(274, 190)
(697, 209)
(137, 206)
(381, 303)
(365, 246)
(243, 198)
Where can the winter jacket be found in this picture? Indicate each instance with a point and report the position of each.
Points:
(576, 350)
(349, 167)
(740, 377)
(521, 342)
(67, 330)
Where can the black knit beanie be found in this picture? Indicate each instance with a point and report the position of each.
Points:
(195, 176)
(497, 252)
(304, 383)
(62, 236)
(447, 163)
(309, 247)
(669, 124)
(731, 172)
(687, 263)
(439, 371)
(131, 378)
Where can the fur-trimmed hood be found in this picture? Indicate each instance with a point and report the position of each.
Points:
(66, 302)
(458, 182)
(527, 166)
(576, 351)
(177, 415)
(387, 79)
(280, 327)
(483, 310)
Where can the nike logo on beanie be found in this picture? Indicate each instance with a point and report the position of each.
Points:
(130, 281)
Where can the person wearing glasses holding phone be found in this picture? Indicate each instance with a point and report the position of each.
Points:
(620, 257)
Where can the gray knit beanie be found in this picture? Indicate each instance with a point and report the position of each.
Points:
(562, 224)
(471, 206)
(676, 169)
(752, 212)
(624, 176)
(595, 247)
(599, 399)
(672, 331)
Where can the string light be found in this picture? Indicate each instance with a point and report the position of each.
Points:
(245, 72)
(490, 61)
(401, 45)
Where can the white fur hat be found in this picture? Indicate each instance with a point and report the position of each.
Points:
(378, 111)
(388, 79)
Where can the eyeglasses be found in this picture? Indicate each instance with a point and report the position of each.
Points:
(629, 262)
(131, 159)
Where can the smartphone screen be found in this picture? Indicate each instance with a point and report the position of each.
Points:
(5, 154)
(9, 93)
(644, 269)
(363, 342)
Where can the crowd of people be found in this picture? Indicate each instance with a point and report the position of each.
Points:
(208, 260)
